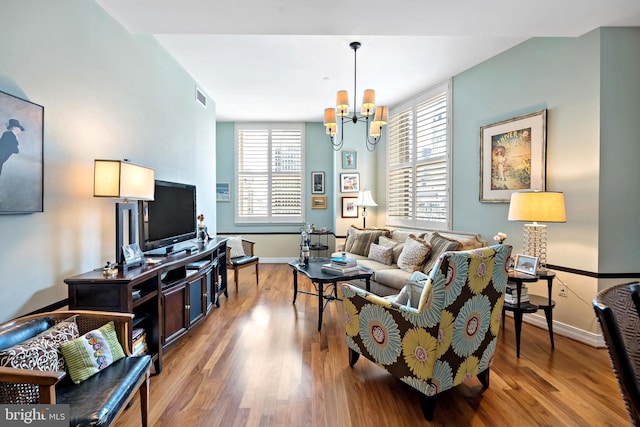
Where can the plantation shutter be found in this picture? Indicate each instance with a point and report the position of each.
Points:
(417, 162)
(269, 173)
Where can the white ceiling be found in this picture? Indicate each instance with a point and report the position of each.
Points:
(283, 60)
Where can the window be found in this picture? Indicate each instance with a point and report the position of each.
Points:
(418, 164)
(269, 173)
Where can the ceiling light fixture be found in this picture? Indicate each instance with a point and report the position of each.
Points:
(373, 128)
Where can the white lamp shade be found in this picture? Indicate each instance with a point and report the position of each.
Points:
(330, 117)
(381, 117)
(543, 206)
(365, 199)
(342, 103)
(115, 178)
(368, 102)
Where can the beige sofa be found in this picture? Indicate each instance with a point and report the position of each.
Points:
(389, 279)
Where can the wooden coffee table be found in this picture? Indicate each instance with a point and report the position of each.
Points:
(319, 279)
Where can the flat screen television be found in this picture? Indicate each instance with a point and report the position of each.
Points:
(169, 218)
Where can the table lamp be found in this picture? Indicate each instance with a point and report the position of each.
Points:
(123, 180)
(365, 199)
(543, 206)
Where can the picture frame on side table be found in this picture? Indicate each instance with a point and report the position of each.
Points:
(21, 155)
(349, 208)
(349, 159)
(349, 182)
(317, 182)
(526, 264)
(223, 192)
(513, 157)
(318, 202)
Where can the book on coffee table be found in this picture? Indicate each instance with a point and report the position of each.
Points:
(339, 271)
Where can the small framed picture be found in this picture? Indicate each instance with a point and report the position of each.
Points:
(349, 159)
(223, 192)
(350, 182)
(526, 264)
(132, 254)
(318, 202)
(349, 208)
(317, 182)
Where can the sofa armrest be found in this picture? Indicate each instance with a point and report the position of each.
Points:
(45, 380)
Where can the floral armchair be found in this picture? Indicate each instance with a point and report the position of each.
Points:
(448, 332)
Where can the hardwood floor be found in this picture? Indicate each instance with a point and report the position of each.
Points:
(258, 360)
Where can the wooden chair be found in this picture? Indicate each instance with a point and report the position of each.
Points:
(240, 262)
(619, 316)
(447, 334)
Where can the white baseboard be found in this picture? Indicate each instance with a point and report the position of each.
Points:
(589, 338)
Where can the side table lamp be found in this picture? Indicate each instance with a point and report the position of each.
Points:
(543, 206)
(365, 199)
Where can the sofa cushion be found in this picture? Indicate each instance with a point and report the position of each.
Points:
(375, 265)
(397, 247)
(359, 240)
(414, 254)
(92, 352)
(40, 353)
(106, 391)
(392, 277)
(439, 244)
(402, 235)
(382, 254)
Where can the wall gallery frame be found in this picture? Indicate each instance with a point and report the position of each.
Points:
(349, 182)
(349, 208)
(318, 202)
(513, 157)
(317, 182)
(21, 162)
(223, 192)
(349, 159)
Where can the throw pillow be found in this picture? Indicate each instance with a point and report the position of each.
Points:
(397, 247)
(40, 353)
(414, 254)
(235, 243)
(439, 244)
(381, 254)
(360, 239)
(92, 352)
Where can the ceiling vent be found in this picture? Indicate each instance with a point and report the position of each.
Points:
(201, 97)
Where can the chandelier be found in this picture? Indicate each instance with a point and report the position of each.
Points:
(373, 118)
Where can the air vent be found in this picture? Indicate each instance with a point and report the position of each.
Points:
(201, 97)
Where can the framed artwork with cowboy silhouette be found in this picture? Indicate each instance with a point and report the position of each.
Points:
(21, 148)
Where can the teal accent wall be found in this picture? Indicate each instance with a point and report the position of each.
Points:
(619, 205)
(107, 94)
(561, 75)
(318, 157)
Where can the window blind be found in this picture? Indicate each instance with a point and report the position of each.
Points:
(269, 179)
(418, 162)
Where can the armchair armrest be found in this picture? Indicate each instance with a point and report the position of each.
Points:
(247, 246)
(45, 380)
(376, 299)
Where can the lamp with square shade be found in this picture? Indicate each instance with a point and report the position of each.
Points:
(537, 206)
(121, 179)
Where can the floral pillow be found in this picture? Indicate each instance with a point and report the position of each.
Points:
(382, 254)
(92, 352)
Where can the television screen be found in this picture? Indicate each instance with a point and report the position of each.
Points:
(170, 218)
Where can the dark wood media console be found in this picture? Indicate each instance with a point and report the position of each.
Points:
(170, 297)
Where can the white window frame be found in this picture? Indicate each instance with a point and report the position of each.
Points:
(269, 219)
(411, 104)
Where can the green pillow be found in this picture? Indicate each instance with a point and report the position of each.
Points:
(92, 352)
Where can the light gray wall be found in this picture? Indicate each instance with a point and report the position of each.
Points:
(619, 207)
(107, 94)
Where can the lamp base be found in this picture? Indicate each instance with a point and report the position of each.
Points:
(535, 243)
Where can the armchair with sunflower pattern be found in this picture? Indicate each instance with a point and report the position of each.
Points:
(445, 335)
